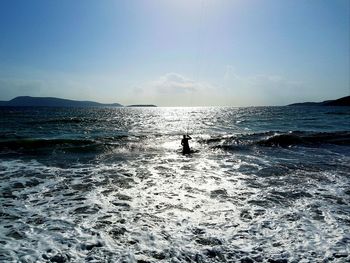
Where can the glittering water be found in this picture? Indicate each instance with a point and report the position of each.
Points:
(267, 184)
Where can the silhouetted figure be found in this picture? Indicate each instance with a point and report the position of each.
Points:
(185, 146)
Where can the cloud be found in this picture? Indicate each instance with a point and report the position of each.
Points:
(174, 83)
(262, 89)
(174, 89)
(274, 82)
(170, 89)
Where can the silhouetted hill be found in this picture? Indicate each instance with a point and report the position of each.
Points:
(345, 101)
(142, 105)
(27, 101)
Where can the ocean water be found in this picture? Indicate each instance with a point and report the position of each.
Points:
(264, 184)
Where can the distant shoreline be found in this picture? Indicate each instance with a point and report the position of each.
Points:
(28, 101)
(141, 105)
(344, 101)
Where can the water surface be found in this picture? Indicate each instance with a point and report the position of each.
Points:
(266, 184)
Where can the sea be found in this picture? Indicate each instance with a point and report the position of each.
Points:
(262, 184)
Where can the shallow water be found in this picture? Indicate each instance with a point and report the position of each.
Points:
(267, 184)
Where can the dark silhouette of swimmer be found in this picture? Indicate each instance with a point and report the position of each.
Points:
(185, 146)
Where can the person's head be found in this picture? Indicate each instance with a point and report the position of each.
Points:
(184, 136)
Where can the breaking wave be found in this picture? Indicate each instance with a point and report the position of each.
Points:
(146, 143)
(307, 139)
(280, 139)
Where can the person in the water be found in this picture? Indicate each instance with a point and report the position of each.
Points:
(185, 146)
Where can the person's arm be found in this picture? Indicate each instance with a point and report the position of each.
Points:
(189, 137)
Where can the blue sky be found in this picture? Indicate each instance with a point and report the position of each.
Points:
(176, 53)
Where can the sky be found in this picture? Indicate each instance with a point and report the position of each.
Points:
(176, 52)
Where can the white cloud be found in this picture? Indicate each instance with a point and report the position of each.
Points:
(170, 89)
(262, 89)
(174, 83)
(174, 89)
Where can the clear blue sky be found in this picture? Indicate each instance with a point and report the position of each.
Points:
(176, 52)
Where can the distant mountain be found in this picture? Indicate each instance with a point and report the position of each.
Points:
(27, 101)
(345, 101)
(142, 105)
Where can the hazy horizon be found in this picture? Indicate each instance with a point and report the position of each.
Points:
(176, 53)
(174, 106)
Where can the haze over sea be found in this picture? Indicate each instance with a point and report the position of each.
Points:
(265, 184)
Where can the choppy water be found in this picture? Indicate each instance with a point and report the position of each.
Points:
(268, 184)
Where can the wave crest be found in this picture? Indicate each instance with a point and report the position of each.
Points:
(279, 139)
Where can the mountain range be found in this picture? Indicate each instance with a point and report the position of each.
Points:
(27, 101)
(344, 101)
